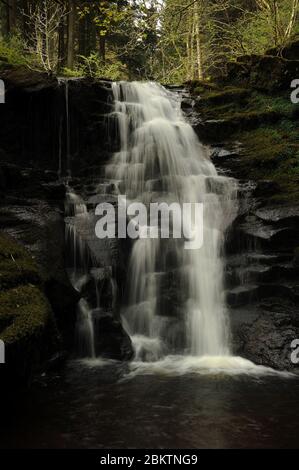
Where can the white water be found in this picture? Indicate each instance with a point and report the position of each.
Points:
(77, 215)
(176, 300)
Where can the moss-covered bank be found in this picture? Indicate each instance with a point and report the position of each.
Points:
(27, 326)
(266, 125)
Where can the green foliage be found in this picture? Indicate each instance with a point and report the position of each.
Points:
(93, 66)
(71, 73)
(12, 51)
(170, 41)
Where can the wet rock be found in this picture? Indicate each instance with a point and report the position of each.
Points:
(212, 130)
(266, 188)
(187, 104)
(268, 235)
(281, 216)
(112, 341)
(54, 191)
(63, 299)
(33, 130)
(242, 295)
(296, 257)
(56, 362)
(219, 155)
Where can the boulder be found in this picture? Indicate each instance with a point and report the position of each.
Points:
(111, 340)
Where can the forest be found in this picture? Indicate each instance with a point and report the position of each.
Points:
(170, 41)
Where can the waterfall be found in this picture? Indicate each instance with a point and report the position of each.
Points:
(176, 302)
(65, 83)
(68, 133)
(77, 216)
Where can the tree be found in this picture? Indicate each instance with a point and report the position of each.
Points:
(71, 33)
(280, 22)
(44, 20)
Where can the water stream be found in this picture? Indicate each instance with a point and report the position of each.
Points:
(174, 306)
(176, 301)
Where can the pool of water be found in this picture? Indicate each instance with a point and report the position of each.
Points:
(105, 405)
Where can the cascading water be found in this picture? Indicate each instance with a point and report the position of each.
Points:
(64, 82)
(176, 299)
(78, 216)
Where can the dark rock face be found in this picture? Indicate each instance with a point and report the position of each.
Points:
(261, 274)
(44, 119)
(31, 212)
(50, 128)
(261, 249)
(211, 130)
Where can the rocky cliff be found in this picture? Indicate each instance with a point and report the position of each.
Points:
(251, 124)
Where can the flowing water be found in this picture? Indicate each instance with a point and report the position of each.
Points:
(175, 296)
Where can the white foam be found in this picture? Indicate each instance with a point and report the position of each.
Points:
(205, 365)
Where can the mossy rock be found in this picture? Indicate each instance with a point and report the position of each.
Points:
(227, 95)
(200, 86)
(29, 311)
(223, 128)
(272, 152)
(17, 267)
(267, 127)
(27, 325)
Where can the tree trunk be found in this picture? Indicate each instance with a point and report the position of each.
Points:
(12, 15)
(71, 34)
(61, 45)
(82, 36)
(5, 19)
(293, 18)
(198, 43)
(103, 48)
(25, 26)
(192, 49)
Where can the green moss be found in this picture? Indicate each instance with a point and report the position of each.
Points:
(200, 86)
(16, 265)
(231, 102)
(272, 152)
(25, 314)
(229, 95)
(265, 125)
(26, 311)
